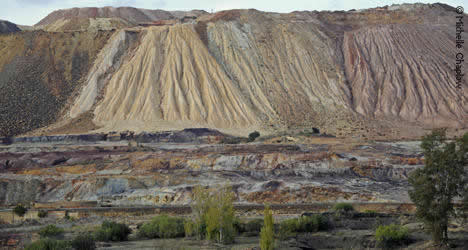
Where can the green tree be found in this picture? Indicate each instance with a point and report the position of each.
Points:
(220, 216)
(434, 187)
(213, 215)
(267, 237)
(254, 135)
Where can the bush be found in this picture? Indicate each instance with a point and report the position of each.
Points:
(254, 135)
(112, 231)
(343, 207)
(391, 235)
(48, 244)
(370, 212)
(232, 140)
(249, 228)
(163, 226)
(253, 226)
(42, 214)
(83, 241)
(50, 231)
(20, 210)
(304, 224)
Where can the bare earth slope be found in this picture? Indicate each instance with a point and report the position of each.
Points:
(345, 72)
(39, 72)
(129, 14)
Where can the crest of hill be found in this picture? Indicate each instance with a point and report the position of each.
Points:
(8, 27)
(129, 14)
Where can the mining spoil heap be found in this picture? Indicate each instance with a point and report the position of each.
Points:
(379, 72)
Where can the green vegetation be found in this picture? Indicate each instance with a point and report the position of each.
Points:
(267, 235)
(42, 214)
(254, 135)
(343, 207)
(112, 231)
(248, 228)
(83, 241)
(303, 224)
(48, 244)
(391, 236)
(163, 226)
(20, 210)
(434, 187)
(232, 140)
(213, 215)
(50, 231)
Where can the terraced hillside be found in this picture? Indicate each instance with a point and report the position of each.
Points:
(156, 174)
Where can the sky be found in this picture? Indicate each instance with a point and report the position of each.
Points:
(29, 12)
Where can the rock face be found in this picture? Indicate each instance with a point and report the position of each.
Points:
(155, 174)
(8, 27)
(241, 70)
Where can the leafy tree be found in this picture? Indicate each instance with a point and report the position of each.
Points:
(220, 217)
(200, 205)
(213, 215)
(434, 187)
(267, 237)
(254, 135)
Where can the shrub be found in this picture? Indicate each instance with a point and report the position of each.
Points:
(253, 226)
(249, 228)
(163, 226)
(48, 244)
(343, 207)
(83, 241)
(232, 140)
(312, 223)
(112, 231)
(391, 235)
(254, 135)
(20, 210)
(370, 212)
(50, 231)
(304, 224)
(42, 214)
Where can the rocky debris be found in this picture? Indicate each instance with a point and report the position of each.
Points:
(8, 27)
(192, 135)
(36, 81)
